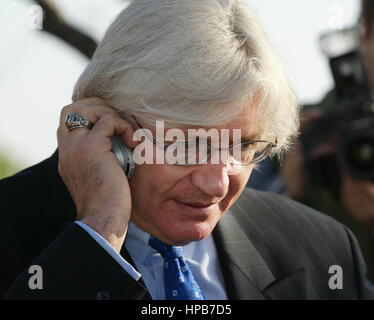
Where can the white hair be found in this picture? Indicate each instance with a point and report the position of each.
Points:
(191, 62)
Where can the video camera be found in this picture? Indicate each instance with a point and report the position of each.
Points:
(344, 134)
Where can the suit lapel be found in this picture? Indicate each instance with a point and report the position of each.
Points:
(245, 272)
(247, 276)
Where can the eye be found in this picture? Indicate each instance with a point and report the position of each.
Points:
(245, 146)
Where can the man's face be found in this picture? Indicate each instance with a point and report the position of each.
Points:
(182, 204)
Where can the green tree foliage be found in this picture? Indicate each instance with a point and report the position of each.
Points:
(7, 167)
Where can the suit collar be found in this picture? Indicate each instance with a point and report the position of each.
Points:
(244, 269)
(247, 275)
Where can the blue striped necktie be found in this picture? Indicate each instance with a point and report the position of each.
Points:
(179, 281)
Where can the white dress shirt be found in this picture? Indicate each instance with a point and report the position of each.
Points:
(200, 255)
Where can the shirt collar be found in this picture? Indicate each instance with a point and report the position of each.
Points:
(138, 236)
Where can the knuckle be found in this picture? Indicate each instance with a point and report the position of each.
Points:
(96, 101)
(101, 124)
(107, 118)
(105, 111)
(66, 109)
(93, 100)
(105, 121)
(76, 106)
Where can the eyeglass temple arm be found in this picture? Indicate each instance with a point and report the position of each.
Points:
(146, 134)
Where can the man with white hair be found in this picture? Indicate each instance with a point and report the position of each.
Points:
(174, 230)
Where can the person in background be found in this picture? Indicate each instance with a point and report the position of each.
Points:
(353, 202)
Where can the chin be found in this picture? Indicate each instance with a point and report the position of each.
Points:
(189, 232)
(175, 226)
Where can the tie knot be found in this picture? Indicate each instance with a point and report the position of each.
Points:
(167, 251)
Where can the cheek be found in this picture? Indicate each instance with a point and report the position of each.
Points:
(239, 177)
(237, 183)
(143, 184)
(151, 184)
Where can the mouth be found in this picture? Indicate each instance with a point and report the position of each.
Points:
(197, 204)
(197, 209)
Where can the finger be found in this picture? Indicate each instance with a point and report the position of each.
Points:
(107, 126)
(95, 101)
(91, 112)
(64, 133)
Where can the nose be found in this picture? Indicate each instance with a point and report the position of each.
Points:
(211, 179)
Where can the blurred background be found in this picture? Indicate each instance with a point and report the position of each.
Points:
(40, 64)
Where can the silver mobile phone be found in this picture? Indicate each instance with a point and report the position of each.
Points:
(124, 155)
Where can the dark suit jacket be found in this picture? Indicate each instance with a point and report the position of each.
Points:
(269, 247)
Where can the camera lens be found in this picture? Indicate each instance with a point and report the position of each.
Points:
(360, 154)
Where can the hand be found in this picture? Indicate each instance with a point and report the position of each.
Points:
(358, 198)
(91, 172)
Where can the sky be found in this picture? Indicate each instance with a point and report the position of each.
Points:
(38, 71)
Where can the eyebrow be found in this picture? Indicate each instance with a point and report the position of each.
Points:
(252, 137)
(249, 138)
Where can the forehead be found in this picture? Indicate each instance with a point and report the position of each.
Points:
(246, 122)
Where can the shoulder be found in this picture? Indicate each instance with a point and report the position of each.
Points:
(34, 208)
(28, 176)
(291, 236)
(278, 207)
(23, 191)
(36, 198)
(19, 221)
(294, 230)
